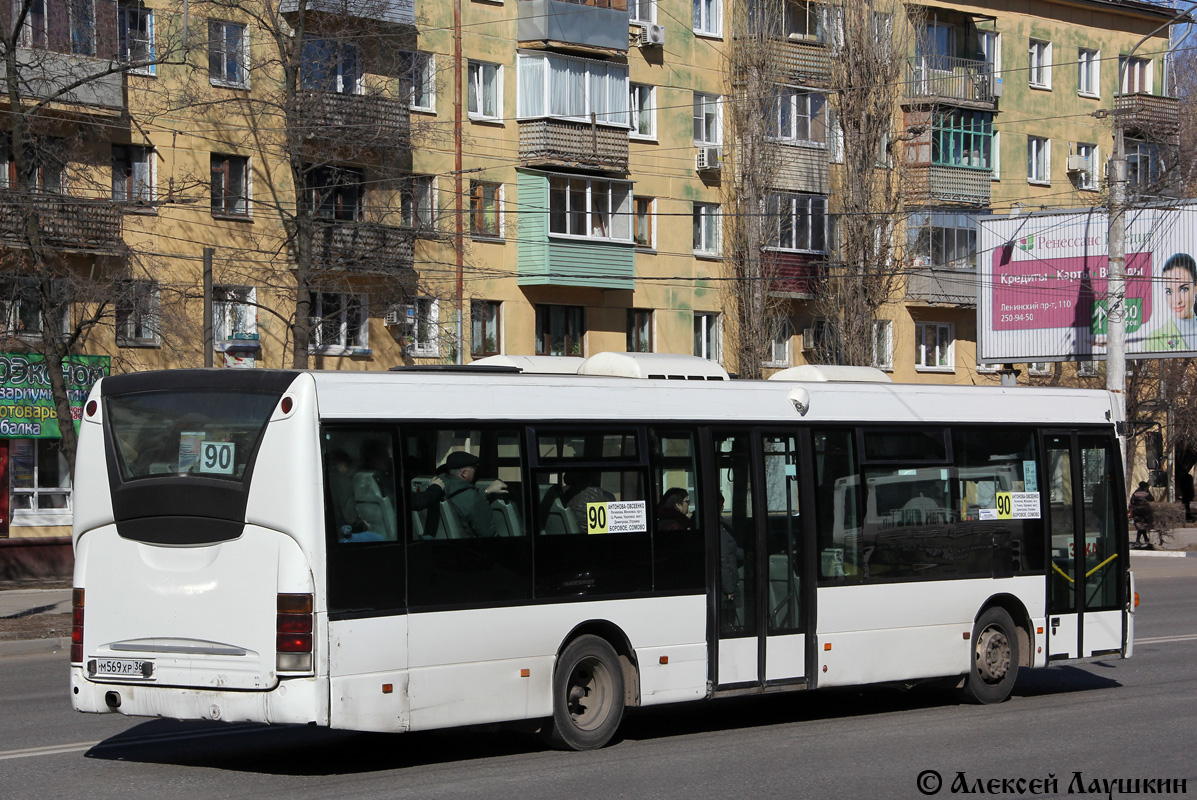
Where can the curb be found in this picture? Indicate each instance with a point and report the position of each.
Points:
(26, 647)
(1164, 553)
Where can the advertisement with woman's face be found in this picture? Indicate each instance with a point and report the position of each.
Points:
(1177, 330)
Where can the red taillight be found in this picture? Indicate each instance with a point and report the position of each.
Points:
(293, 628)
(287, 405)
(77, 626)
(92, 407)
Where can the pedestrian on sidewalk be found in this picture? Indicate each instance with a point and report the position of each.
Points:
(1184, 489)
(1140, 513)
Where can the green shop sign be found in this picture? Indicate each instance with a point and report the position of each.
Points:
(26, 401)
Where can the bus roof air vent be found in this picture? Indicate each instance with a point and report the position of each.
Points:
(653, 365)
(825, 373)
(536, 365)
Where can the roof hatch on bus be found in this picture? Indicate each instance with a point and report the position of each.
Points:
(665, 366)
(828, 373)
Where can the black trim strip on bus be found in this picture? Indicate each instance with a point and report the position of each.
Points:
(180, 530)
(533, 601)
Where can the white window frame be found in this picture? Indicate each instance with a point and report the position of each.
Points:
(1136, 75)
(1086, 368)
(633, 330)
(476, 91)
(1039, 160)
(227, 190)
(617, 220)
(545, 79)
(424, 340)
(921, 361)
(1039, 369)
(478, 322)
(708, 335)
(242, 55)
(642, 100)
(798, 17)
(637, 9)
(883, 344)
(37, 516)
(995, 157)
(781, 351)
(133, 11)
(708, 230)
(346, 74)
(138, 314)
(423, 75)
(417, 203)
(341, 346)
(234, 313)
(992, 52)
(708, 18)
(1088, 74)
(798, 209)
(1039, 72)
(34, 32)
(20, 305)
(1091, 180)
(500, 196)
(708, 113)
(82, 27)
(793, 106)
(143, 187)
(651, 239)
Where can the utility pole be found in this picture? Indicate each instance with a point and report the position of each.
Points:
(209, 334)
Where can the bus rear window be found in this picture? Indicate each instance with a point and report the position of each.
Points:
(174, 433)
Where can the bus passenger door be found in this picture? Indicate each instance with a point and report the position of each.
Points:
(759, 615)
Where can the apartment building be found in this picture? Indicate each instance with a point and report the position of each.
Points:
(376, 182)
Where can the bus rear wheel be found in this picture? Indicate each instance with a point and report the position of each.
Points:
(994, 658)
(588, 695)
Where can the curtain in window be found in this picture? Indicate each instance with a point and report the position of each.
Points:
(531, 86)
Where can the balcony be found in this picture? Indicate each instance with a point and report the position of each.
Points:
(1149, 113)
(931, 184)
(942, 285)
(801, 168)
(955, 81)
(573, 145)
(794, 274)
(66, 223)
(356, 120)
(806, 61)
(395, 12)
(597, 24)
(44, 74)
(364, 247)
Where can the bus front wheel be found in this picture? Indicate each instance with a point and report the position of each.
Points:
(588, 695)
(994, 658)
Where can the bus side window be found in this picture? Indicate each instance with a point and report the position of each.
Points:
(360, 469)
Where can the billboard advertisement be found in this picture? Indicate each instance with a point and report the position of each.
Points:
(1043, 294)
(26, 402)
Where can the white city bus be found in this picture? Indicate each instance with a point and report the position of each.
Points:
(274, 546)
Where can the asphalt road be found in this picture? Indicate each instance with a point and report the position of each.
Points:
(1108, 720)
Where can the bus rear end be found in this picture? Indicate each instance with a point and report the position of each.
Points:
(193, 581)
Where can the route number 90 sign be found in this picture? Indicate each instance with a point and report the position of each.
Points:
(216, 458)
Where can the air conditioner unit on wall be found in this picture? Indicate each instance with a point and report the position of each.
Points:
(399, 315)
(808, 339)
(1078, 164)
(708, 158)
(652, 35)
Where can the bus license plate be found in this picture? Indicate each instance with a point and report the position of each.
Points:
(124, 668)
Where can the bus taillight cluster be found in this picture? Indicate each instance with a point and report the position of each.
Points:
(293, 633)
(77, 626)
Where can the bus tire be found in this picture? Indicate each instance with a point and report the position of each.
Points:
(588, 695)
(994, 658)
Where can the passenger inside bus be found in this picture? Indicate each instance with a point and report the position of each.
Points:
(347, 517)
(673, 511)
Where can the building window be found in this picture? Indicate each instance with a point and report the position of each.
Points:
(706, 17)
(486, 209)
(417, 201)
(34, 32)
(40, 479)
(1086, 369)
(83, 26)
(336, 192)
(799, 116)
(135, 36)
(422, 338)
(642, 111)
(559, 330)
(779, 353)
(804, 20)
(1040, 72)
(421, 71)
(330, 65)
(137, 313)
(989, 48)
(234, 313)
(883, 344)
(962, 139)
(642, 11)
(230, 185)
(935, 346)
(132, 174)
(572, 88)
(943, 239)
(590, 207)
(801, 222)
(1088, 81)
(338, 322)
(20, 308)
(1136, 75)
(706, 228)
(644, 233)
(45, 165)
(707, 127)
(1039, 368)
(706, 335)
(1087, 178)
(1142, 163)
(640, 330)
(1039, 159)
(228, 54)
(485, 330)
(485, 89)
(995, 156)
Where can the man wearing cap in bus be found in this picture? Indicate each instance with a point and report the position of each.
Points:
(471, 503)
